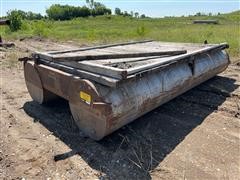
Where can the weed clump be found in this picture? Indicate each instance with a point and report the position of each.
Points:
(141, 31)
(41, 28)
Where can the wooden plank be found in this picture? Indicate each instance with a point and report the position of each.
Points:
(98, 68)
(130, 60)
(137, 48)
(117, 56)
(99, 47)
(50, 55)
(115, 50)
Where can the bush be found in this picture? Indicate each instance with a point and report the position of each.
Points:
(15, 20)
(42, 28)
(141, 31)
(25, 26)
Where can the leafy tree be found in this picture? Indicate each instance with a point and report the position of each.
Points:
(131, 13)
(83, 12)
(143, 16)
(28, 15)
(118, 11)
(198, 14)
(98, 4)
(126, 13)
(90, 3)
(15, 20)
(98, 8)
(56, 12)
(136, 14)
(32, 16)
(21, 13)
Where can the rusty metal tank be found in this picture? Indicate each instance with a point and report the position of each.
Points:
(107, 91)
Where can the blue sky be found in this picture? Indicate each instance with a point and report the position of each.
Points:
(153, 8)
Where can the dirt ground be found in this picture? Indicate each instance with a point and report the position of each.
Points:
(194, 136)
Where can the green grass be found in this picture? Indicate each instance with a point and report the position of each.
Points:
(108, 29)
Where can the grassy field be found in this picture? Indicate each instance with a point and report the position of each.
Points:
(106, 29)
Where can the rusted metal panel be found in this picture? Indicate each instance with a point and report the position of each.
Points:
(100, 109)
(104, 80)
(35, 85)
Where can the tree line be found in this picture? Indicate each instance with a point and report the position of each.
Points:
(131, 14)
(26, 15)
(66, 12)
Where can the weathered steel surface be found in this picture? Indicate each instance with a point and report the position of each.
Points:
(135, 98)
(100, 109)
(35, 85)
(104, 80)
